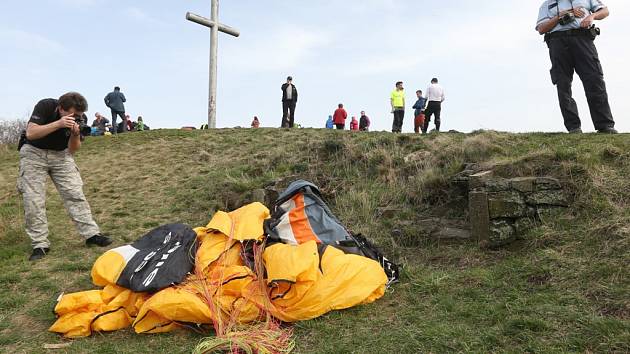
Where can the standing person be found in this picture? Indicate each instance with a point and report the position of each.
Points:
(364, 122)
(255, 123)
(329, 123)
(397, 100)
(435, 97)
(354, 124)
(115, 101)
(339, 117)
(52, 138)
(289, 101)
(570, 33)
(418, 122)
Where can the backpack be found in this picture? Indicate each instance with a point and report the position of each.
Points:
(300, 214)
(159, 259)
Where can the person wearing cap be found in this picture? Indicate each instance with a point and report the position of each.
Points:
(570, 33)
(289, 101)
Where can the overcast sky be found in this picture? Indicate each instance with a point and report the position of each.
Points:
(492, 64)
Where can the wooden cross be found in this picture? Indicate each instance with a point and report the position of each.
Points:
(215, 27)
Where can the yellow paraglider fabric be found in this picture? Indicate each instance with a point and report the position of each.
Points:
(303, 282)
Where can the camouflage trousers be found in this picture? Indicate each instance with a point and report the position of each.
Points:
(35, 166)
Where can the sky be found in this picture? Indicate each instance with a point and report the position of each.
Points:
(492, 63)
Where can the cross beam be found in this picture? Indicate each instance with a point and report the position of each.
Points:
(209, 23)
(215, 28)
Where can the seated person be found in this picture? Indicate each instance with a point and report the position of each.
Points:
(255, 123)
(100, 124)
(129, 123)
(140, 124)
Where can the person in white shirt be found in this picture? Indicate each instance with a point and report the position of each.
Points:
(435, 97)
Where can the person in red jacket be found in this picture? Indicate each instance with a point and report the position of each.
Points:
(354, 124)
(339, 117)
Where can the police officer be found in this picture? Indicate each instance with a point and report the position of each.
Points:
(569, 33)
(52, 137)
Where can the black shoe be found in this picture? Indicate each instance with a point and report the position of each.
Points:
(38, 253)
(98, 240)
(608, 131)
(575, 131)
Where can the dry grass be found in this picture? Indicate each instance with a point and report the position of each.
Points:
(562, 289)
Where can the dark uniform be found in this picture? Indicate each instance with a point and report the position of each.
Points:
(571, 50)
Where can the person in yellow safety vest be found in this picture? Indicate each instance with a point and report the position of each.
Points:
(398, 107)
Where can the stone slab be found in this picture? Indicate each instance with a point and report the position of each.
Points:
(501, 233)
(479, 216)
(523, 184)
(478, 180)
(509, 204)
(547, 183)
(548, 198)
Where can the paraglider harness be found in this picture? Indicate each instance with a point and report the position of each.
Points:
(318, 223)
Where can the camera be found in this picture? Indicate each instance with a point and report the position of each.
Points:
(84, 128)
(594, 31)
(567, 18)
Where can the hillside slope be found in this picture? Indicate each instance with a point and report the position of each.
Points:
(563, 288)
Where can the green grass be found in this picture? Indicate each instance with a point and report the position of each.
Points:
(563, 288)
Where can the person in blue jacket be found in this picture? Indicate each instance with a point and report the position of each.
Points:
(329, 123)
(418, 113)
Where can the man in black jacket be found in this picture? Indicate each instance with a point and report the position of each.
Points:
(289, 100)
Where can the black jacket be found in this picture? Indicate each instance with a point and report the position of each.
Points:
(284, 93)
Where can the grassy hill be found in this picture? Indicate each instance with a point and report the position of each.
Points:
(563, 288)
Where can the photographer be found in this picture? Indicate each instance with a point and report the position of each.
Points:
(53, 135)
(569, 33)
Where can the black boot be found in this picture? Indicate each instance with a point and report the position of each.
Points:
(98, 240)
(38, 253)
